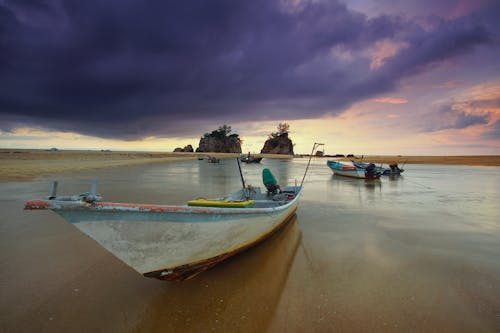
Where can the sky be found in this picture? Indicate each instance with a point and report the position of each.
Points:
(378, 77)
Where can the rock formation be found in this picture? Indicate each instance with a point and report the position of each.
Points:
(220, 142)
(186, 149)
(278, 144)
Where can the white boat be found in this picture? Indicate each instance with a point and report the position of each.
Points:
(348, 169)
(177, 242)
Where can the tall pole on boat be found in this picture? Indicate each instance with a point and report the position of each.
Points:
(241, 173)
(309, 162)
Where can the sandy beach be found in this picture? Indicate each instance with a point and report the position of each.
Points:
(417, 253)
(25, 164)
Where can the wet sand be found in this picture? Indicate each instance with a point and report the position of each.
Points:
(418, 253)
(25, 164)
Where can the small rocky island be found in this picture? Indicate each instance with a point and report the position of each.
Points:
(186, 149)
(279, 142)
(220, 141)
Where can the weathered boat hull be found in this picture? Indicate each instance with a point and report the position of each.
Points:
(171, 242)
(352, 174)
(188, 271)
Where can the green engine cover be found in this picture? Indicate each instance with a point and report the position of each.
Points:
(268, 177)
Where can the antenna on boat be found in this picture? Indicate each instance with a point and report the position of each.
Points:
(309, 162)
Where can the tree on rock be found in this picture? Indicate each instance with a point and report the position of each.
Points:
(278, 142)
(283, 128)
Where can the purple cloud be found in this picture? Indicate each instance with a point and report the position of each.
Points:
(493, 131)
(447, 117)
(126, 69)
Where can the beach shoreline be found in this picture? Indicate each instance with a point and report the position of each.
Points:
(26, 164)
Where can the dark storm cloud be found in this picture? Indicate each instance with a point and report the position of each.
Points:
(130, 69)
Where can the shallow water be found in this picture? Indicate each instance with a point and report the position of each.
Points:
(419, 252)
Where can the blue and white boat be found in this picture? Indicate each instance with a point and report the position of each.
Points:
(348, 169)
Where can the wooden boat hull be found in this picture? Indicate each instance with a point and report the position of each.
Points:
(171, 242)
(188, 271)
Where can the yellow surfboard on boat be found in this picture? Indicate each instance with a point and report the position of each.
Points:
(222, 203)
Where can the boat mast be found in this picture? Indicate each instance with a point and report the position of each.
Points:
(241, 173)
(309, 162)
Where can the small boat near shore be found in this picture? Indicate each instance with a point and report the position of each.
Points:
(177, 242)
(250, 159)
(351, 170)
(213, 159)
(393, 170)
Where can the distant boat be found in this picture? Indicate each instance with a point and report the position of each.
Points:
(350, 170)
(213, 159)
(393, 170)
(250, 159)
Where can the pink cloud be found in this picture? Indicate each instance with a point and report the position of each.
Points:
(449, 84)
(383, 50)
(391, 100)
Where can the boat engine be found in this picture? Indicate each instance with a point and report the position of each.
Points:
(270, 182)
(394, 168)
(370, 171)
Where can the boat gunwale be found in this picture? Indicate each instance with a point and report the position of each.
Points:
(103, 206)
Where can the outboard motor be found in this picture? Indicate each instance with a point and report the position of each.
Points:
(370, 171)
(394, 168)
(270, 182)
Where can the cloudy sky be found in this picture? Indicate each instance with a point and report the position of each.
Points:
(363, 76)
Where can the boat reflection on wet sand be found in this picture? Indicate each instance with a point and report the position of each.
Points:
(247, 287)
